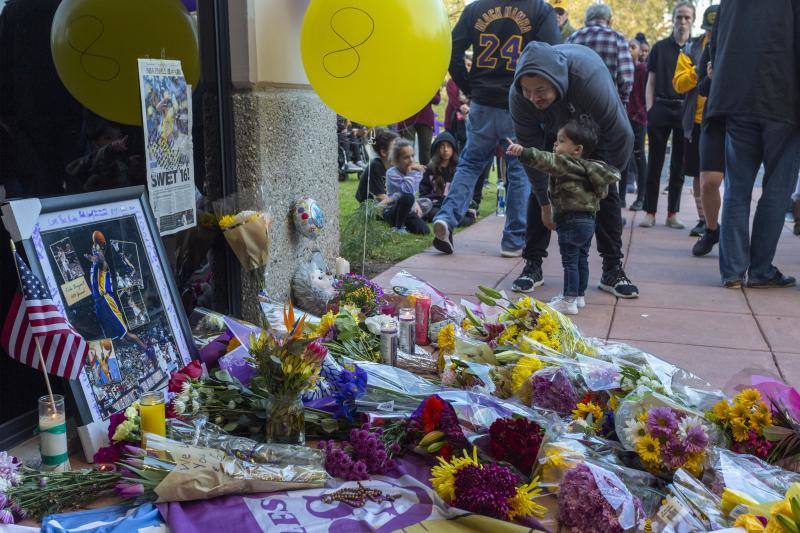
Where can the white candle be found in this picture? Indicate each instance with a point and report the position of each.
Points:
(407, 330)
(53, 434)
(342, 265)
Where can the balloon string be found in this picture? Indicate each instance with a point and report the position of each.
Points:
(351, 47)
(111, 64)
(370, 141)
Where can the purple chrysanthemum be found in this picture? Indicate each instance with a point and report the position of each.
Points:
(662, 422)
(485, 490)
(8, 467)
(673, 454)
(553, 390)
(583, 507)
(696, 439)
(6, 517)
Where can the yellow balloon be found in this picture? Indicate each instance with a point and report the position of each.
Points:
(96, 44)
(376, 61)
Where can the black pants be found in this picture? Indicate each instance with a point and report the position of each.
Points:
(424, 136)
(608, 231)
(639, 159)
(400, 214)
(664, 119)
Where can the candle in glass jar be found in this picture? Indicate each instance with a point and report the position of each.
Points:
(407, 330)
(423, 311)
(152, 414)
(389, 343)
(53, 433)
(342, 265)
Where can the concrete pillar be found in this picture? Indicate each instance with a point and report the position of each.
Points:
(285, 136)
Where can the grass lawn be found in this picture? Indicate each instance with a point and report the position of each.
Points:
(398, 247)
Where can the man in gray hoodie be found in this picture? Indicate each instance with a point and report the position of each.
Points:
(553, 84)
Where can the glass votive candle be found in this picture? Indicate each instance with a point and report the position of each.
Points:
(53, 434)
(152, 413)
(407, 330)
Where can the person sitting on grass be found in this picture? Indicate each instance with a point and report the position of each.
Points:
(372, 182)
(576, 186)
(402, 210)
(435, 184)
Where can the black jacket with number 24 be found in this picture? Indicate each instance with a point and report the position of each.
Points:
(497, 31)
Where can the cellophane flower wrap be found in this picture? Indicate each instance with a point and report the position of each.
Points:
(552, 389)
(592, 499)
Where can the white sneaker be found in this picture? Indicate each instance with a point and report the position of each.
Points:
(567, 306)
(648, 221)
(581, 301)
(510, 253)
(674, 222)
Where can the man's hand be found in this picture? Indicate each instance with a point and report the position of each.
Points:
(547, 217)
(417, 209)
(514, 149)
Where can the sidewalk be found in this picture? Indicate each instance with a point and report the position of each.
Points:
(683, 314)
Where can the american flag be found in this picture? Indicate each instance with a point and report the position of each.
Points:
(33, 315)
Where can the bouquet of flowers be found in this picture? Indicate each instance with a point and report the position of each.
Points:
(633, 378)
(516, 441)
(247, 233)
(174, 471)
(286, 368)
(28, 493)
(359, 292)
(364, 454)
(345, 336)
(591, 498)
(667, 439)
(433, 428)
(123, 427)
(744, 421)
(515, 379)
(594, 414)
(553, 390)
(487, 489)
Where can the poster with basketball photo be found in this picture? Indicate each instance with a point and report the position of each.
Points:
(129, 314)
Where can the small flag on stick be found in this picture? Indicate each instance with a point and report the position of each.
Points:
(36, 331)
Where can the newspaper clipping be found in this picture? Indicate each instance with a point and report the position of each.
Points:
(167, 120)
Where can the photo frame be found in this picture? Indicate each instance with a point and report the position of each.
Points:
(103, 261)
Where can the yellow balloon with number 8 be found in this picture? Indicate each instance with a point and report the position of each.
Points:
(376, 62)
(96, 44)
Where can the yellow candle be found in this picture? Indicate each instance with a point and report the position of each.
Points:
(152, 414)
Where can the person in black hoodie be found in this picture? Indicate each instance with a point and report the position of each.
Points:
(372, 182)
(755, 89)
(435, 184)
(552, 85)
(497, 31)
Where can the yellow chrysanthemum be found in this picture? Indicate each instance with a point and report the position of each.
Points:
(731, 498)
(444, 474)
(583, 410)
(739, 410)
(739, 430)
(227, 221)
(613, 402)
(547, 324)
(721, 410)
(649, 449)
(759, 421)
(447, 339)
(749, 522)
(523, 370)
(694, 463)
(642, 417)
(522, 504)
(509, 335)
(542, 338)
(749, 398)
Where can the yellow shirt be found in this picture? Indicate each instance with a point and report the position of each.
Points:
(685, 79)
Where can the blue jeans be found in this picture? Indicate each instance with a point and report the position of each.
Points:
(575, 231)
(486, 128)
(748, 143)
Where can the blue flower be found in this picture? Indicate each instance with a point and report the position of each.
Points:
(348, 386)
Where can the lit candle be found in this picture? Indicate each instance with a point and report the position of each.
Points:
(423, 310)
(53, 433)
(342, 265)
(152, 414)
(408, 330)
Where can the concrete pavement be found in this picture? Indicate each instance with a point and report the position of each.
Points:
(683, 314)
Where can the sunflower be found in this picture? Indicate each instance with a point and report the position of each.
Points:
(739, 410)
(649, 449)
(444, 474)
(522, 504)
(325, 324)
(748, 397)
(694, 463)
(721, 410)
(759, 420)
(590, 408)
(740, 430)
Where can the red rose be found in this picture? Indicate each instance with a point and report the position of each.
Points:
(194, 370)
(176, 381)
(431, 413)
(191, 371)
